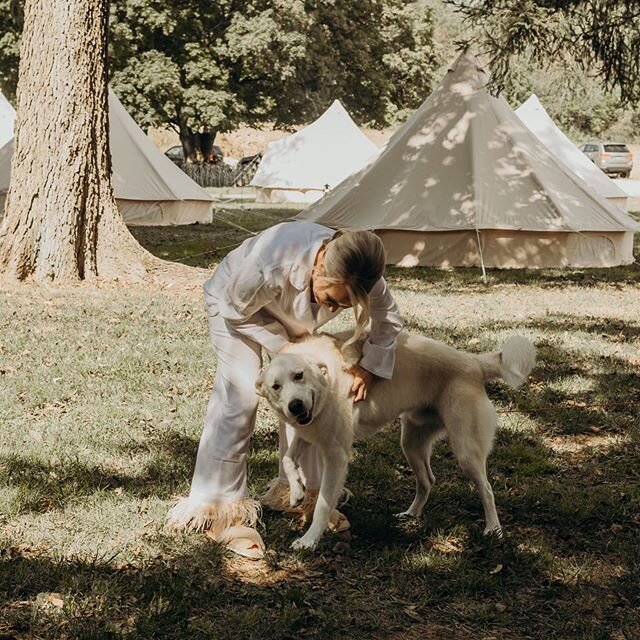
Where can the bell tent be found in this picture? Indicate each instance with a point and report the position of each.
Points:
(149, 188)
(464, 183)
(308, 163)
(7, 118)
(537, 120)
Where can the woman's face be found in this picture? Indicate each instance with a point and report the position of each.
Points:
(331, 295)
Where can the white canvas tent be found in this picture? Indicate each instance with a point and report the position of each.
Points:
(149, 188)
(537, 120)
(464, 183)
(7, 118)
(310, 162)
(630, 187)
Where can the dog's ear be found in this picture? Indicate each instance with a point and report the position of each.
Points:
(324, 369)
(260, 383)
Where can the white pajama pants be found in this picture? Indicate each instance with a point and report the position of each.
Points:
(221, 465)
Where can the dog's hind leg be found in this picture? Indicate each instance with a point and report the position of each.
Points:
(471, 427)
(420, 429)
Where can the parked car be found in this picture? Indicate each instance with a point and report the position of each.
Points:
(614, 158)
(245, 160)
(176, 154)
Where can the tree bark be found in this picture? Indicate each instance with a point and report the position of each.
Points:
(197, 146)
(61, 221)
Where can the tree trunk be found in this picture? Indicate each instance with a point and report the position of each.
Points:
(61, 220)
(197, 147)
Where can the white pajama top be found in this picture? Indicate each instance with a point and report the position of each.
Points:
(263, 290)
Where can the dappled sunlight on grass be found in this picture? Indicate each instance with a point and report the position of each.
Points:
(104, 393)
(581, 446)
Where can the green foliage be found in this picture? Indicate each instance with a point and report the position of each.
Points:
(10, 28)
(204, 67)
(573, 92)
(578, 102)
(210, 66)
(602, 35)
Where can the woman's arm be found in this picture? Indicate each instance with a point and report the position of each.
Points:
(240, 304)
(378, 352)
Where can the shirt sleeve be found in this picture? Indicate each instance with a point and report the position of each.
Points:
(241, 305)
(379, 351)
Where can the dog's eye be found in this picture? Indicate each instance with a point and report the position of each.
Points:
(275, 386)
(298, 375)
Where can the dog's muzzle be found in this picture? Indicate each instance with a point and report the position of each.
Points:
(299, 412)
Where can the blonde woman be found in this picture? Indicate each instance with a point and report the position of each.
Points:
(276, 287)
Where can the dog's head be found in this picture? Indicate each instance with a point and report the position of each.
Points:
(294, 386)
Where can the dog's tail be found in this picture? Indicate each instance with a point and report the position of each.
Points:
(513, 363)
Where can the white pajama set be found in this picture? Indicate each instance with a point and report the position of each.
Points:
(259, 297)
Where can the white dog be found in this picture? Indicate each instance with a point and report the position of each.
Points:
(435, 389)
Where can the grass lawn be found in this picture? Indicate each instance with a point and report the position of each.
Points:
(102, 395)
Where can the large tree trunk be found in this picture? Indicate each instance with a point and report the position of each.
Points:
(61, 220)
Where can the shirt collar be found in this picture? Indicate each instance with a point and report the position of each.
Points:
(300, 272)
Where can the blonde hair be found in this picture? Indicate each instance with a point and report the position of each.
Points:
(355, 259)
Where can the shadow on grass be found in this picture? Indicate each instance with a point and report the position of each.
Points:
(465, 279)
(191, 591)
(202, 245)
(44, 487)
(609, 397)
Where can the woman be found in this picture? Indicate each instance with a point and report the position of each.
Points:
(276, 287)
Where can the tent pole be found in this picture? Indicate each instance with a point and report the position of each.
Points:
(484, 271)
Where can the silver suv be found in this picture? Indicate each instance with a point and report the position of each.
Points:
(614, 158)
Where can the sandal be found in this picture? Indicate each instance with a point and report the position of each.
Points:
(244, 541)
(338, 522)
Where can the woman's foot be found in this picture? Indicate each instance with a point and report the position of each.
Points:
(231, 524)
(338, 522)
(245, 541)
(277, 498)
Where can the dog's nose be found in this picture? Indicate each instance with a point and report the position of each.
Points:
(296, 407)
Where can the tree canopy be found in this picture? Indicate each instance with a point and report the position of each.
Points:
(603, 36)
(206, 66)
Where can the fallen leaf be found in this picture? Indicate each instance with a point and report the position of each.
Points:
(50, 600)
(410, 611)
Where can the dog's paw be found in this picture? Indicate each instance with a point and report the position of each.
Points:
(495, 532)
(301, 544)
(296, 495)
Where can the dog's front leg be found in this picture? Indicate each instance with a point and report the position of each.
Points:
(290, 467)
(334, 475)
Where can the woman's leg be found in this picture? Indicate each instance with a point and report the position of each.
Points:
(218, 499)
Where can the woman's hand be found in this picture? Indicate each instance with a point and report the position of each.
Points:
(362, 380)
